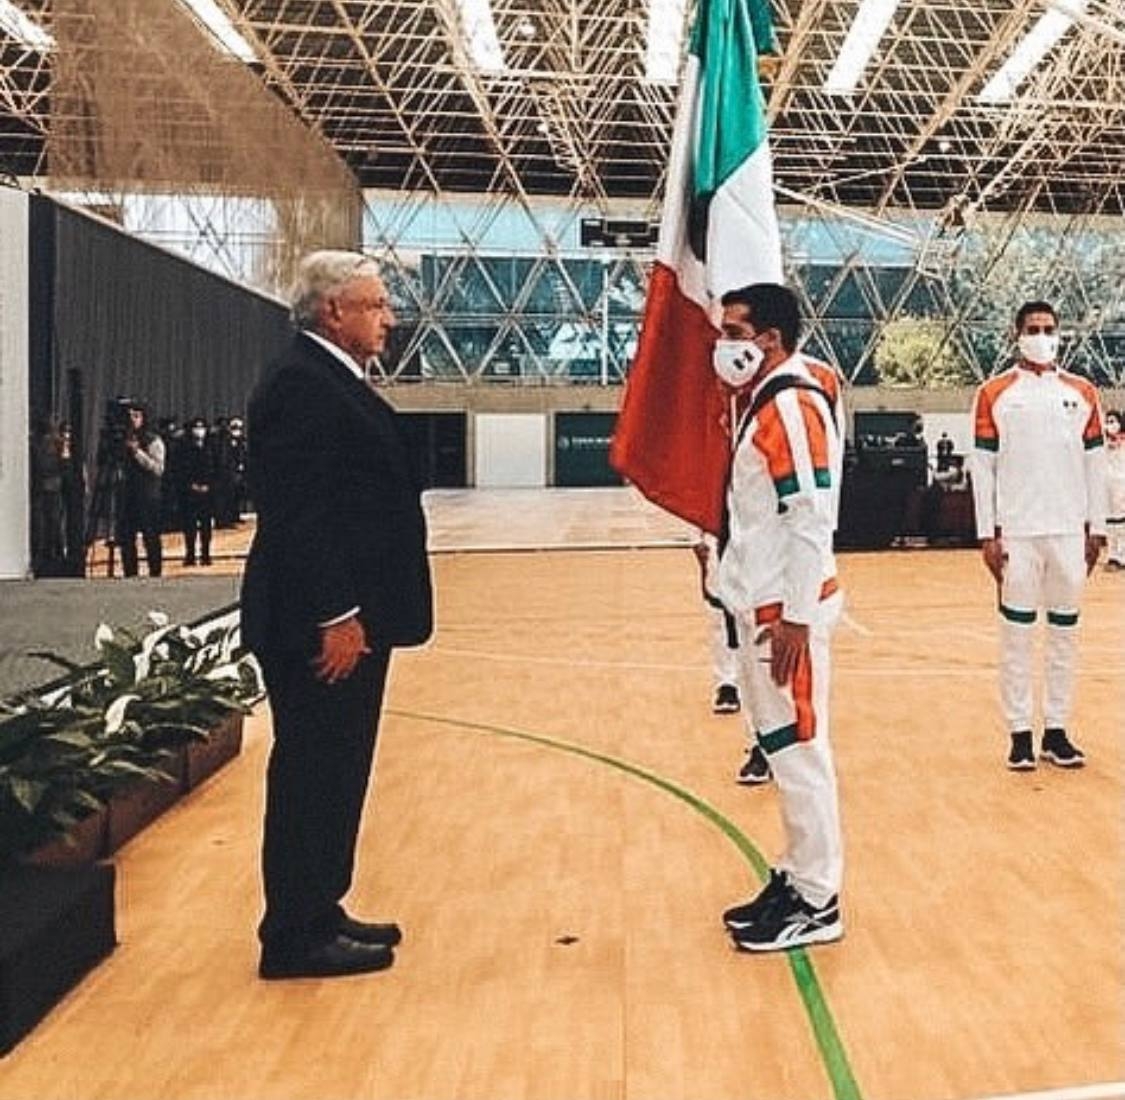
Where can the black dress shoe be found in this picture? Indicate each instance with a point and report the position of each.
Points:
(337, 957)
(386, 935)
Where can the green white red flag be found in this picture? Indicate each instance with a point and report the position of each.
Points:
(718, 232)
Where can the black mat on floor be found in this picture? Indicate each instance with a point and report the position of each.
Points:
(62, 615)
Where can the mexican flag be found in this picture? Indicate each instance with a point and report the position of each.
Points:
(718, 231)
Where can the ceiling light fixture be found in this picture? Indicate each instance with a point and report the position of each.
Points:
(213, 19)
(1038, 42)
(664, 42)
(15, 24)
(478, 30)
(865, 33)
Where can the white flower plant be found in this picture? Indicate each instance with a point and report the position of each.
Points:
(62, 755)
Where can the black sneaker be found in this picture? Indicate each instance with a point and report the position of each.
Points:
(726, 700)
(1022, 756)
(789, 922)
(739, 917)
(755, 769)
(1059, 749)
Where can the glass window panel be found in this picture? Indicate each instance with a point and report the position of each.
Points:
(849, 300)
(569, 348)
(470, 291)
(586, 276)
(435, 359)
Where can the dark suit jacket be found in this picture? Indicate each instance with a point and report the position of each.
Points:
(340, 520)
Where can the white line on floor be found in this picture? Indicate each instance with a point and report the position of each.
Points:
(855, 624)
(1111, 1090)
(881, 671)
(524, 659)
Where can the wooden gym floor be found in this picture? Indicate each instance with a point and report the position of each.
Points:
(555, 824)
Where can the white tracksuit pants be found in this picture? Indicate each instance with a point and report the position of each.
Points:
(1115, 522)
(792, 725)
(1048, 573)
(724, 659)
(1115, 537)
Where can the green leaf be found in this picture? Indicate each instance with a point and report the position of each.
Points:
(56, 659)
(86, 799)
(119, 662)
(28, 793)
(73, 737)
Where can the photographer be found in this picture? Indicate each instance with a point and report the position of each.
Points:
(139, 505)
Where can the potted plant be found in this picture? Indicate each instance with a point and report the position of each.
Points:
(79, 768)
(152, 719)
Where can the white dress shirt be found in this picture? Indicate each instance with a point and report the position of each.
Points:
(354, 367)
(337, 351)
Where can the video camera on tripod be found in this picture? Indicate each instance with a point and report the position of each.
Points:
(115, 432)
(112, 453)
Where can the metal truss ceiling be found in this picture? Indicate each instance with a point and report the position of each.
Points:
(386, 83)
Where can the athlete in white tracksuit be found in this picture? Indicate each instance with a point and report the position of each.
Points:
(1115, 469)
(777, 575)
(1039, 485)
(721, 631)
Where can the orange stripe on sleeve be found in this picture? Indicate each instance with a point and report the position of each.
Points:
(772, 440)
(826, 378)
(814, 430)
(986, 434)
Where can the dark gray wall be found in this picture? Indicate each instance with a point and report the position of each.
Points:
(137, 321)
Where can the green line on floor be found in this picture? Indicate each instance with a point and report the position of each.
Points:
(832, 1053)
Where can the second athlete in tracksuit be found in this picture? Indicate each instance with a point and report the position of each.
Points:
(1040, 493)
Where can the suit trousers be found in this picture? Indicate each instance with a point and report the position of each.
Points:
(197, 518)
(140, 517)
(320, 764)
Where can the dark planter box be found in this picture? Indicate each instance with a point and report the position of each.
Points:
(141, 803)
(102, 833)
(87, 844)
(54, 927)
(204, 758)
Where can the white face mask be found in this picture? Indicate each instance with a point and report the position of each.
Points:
(736, 361)
(1113, 426)
(1041, 349)
(199, 433)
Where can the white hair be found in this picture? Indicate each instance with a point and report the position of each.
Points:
(319, 274)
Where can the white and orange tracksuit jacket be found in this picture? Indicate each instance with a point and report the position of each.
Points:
(1039, 461)
(783, 502)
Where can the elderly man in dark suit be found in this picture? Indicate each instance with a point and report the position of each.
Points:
(337, 576)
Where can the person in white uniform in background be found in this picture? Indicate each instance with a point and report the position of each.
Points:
(777, 576)
(724, 636)
(724, 646)
(1039, 486)
(1115, 466)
